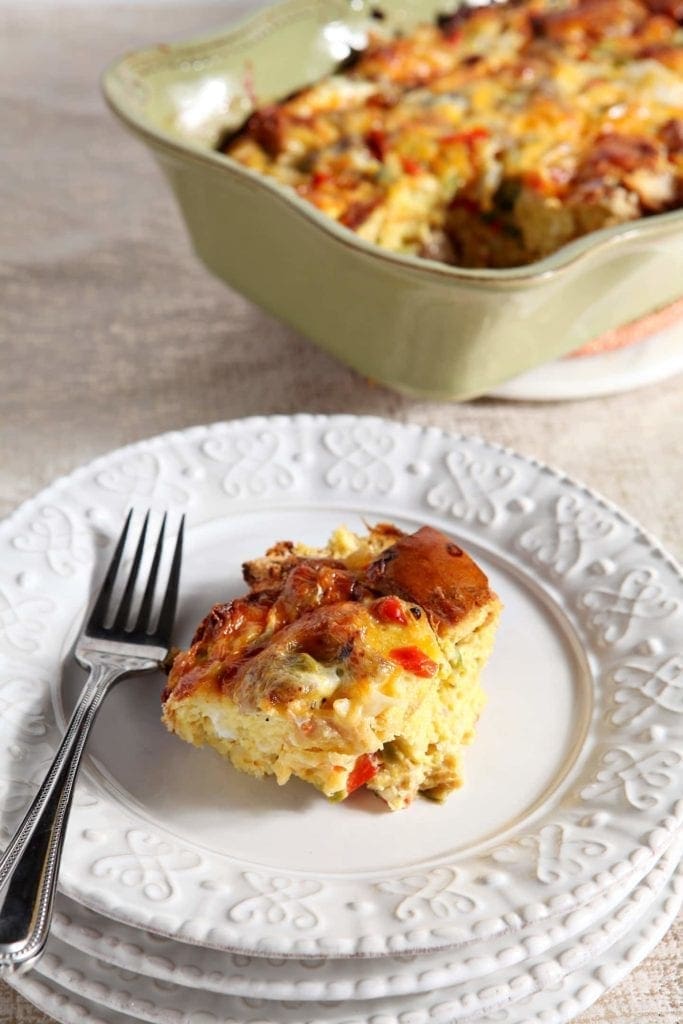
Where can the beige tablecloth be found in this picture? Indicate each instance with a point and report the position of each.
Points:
(112, 331)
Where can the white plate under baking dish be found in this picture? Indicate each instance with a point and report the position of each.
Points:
(650, 361)
(575, 777)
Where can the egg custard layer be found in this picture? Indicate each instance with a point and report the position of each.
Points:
(492, 137)
(352, 665)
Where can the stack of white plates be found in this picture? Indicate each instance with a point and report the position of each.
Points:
(191, 893)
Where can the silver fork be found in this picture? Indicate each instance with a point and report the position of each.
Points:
(30, 865)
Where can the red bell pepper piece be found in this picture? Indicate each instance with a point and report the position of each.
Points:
(468, 138)
(365, 768)
(410, 166)
(390, 609)
(414, 660)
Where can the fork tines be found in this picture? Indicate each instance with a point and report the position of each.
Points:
(143, 629)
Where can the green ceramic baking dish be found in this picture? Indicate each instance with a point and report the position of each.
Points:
(413, 324)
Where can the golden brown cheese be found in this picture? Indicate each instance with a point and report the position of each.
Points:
(494, 136)
(356, 664)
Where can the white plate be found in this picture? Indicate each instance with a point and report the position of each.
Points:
(646, 362)
(548, 990)
(575, 778)
(179, 963)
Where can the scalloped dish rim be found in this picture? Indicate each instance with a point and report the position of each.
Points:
(550, 266)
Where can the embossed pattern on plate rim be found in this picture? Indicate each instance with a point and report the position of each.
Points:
(158, 1003)
(576, 992)
(460, 479)
(171, 961)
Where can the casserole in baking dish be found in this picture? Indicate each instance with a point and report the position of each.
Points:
(489, 137)
(411, 322)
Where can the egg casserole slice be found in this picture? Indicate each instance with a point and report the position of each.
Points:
(492, 137)
(352, 665)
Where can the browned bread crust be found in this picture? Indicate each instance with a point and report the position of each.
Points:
(434, 572)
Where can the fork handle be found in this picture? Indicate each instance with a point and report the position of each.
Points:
(30, 865)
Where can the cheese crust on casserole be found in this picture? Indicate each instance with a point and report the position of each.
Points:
(492, 137)
(356, 664)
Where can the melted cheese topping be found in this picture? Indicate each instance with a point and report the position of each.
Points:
(495, 136)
